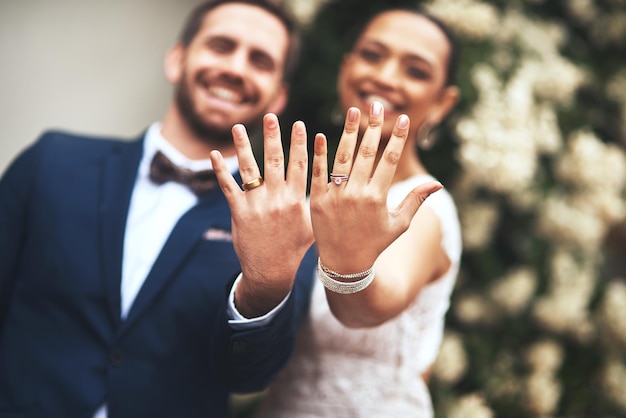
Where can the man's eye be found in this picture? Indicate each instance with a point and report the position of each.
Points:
(220, 45)
(262, 61)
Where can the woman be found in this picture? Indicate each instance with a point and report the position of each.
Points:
(366, 348)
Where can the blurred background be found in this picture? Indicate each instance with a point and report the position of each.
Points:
(535, 156)
(84, 65)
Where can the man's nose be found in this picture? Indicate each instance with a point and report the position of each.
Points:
(236, 63)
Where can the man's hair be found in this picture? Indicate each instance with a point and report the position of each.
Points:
(196, 17)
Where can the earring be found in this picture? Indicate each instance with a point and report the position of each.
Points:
(423, 135)
(337, 116)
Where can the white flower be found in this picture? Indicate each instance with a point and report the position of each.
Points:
(545, 357)
(478, 221)
(612, 311)
(472, 19)
(616, 87)
(614, 381)
(534, 36)
(304, 10)
(611, 207)
(591, 164)
(474, 309)
(583, 11)
(451, 363)
(513, 292)
(542, 394)
(565, 308)
(471, 406)
(547, 132)
(572, 222)
(558, 80)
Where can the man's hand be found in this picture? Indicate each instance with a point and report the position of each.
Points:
(271, 222)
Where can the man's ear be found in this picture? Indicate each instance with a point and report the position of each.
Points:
(280, 101)
(173, 65)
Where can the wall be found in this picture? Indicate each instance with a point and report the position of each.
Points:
(88, 66)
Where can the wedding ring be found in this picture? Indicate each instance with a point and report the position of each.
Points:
(252, 184)
(338, 178)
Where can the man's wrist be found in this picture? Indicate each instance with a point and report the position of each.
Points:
(253, 299)
(239, 321)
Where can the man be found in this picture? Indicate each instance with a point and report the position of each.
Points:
(117, 282)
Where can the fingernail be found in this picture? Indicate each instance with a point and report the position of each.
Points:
(300, 129)
(377, 108)
(239, 130)
(403, 121)
(270, 121)
(352, 115)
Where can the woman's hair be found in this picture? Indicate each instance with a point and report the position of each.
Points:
(453, 57)
(196, 17)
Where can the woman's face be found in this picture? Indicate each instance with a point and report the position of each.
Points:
(400, 60)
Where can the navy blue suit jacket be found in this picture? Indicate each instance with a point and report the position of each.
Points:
(64, 350)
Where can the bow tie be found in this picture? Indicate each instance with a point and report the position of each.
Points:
(163, 170)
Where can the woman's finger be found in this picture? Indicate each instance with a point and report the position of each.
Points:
(363, 165)
(406, 210)
(319, 175)
(344, 157)
(386, 167)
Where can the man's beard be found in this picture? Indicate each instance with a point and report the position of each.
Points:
(210, 134)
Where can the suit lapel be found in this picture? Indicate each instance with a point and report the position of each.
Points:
(188, 231)
(119, 170)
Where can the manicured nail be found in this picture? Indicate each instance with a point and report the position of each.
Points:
(403, 121)
(270, 121)
(239, 130)
(377, 108)
(300, 129)
(352, 115)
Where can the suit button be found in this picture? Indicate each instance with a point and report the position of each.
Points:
(116, 357)
(240, 348)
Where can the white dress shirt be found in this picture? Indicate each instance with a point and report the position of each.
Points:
(154, 211)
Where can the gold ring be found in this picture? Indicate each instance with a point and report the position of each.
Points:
(252, 184)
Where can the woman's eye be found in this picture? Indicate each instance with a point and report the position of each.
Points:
(369, 55)
(418, 73)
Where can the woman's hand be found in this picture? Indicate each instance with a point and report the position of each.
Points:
(351, 222)
(271, 222)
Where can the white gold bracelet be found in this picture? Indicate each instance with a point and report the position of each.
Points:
(345, 288)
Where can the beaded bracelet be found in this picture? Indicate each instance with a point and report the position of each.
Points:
(366, 277)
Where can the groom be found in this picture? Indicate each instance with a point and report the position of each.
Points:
(121, 292)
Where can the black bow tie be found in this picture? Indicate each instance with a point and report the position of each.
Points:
(163, 170)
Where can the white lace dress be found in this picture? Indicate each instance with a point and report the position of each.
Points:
(376, 372)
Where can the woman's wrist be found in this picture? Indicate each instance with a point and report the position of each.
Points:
(348, 283)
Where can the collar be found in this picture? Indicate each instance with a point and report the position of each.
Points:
(155, 141)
